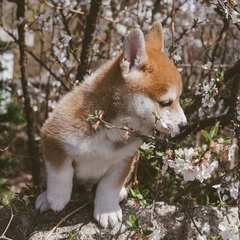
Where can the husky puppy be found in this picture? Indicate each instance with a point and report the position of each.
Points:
(139, 81)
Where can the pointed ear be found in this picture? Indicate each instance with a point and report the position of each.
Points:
(155, 37)
(134, 51)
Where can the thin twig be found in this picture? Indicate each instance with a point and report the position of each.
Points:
(135, 178)
(3, 149)
(61, 8)
(48, 69)
(172, 23)
(193, 221)
(66, 217)
(8, 225)
(130, 130)
(223, 30)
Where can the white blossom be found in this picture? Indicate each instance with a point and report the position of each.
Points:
(176, 57)
(238, 115)
(155, 235)
(45, 22)
(234, 188)
(217, 186)
(61, 57)
(190, 165)
(145, 146)
(234, 15)
(225, 197)
(207, 66)
(20, 20)
(208, 101)
(201, 237)
(228, 232)
(64, 41)
(232, 152)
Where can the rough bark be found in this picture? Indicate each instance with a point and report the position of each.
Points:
(32, 146)
(88, 39)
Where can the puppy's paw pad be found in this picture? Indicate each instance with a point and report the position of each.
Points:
(123, 194)
(57, 202)
(42, 202)
(108, 218)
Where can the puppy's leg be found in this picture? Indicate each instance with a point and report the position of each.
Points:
(59, 179)
(109, 192)
(59, 188)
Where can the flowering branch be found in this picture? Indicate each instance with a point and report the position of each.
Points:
(232, 74)
(98, 118)
(61, 8)
(221, 34)
(42, 63)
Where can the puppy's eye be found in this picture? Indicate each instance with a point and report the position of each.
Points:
(165, 103)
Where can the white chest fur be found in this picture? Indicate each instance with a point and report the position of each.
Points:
(94, 156)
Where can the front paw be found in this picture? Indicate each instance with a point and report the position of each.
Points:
(57, 202)
(107, 214)
(42, 202)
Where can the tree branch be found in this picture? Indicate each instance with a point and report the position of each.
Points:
(88, 39)
(48, 69)
(225, 27)
(224, 119)
(32, 146)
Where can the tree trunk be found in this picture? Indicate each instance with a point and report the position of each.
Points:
(32, 146)
(88, 39)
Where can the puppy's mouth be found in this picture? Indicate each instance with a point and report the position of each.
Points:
(162, 136)
(161, 139)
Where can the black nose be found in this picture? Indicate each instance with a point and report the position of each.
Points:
(182, 126)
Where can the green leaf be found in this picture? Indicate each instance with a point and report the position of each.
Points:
(91, 117)
(172, 49)
(132, 218)
(204, 147)
(206, 199)
(220, 75)
(159, 154)
(141, 150)
(135, 193)
(132, 222)
(147, 232)
(228, 140)
(149, 201)
(146, 202)
(185, 101)
(145, 192)
(7, 199)
(205, 134)
(213, 132)
(154, 113)
(75, 50)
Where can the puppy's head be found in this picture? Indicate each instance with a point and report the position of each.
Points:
(154, 81)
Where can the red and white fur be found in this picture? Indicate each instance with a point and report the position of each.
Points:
(139, 81)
